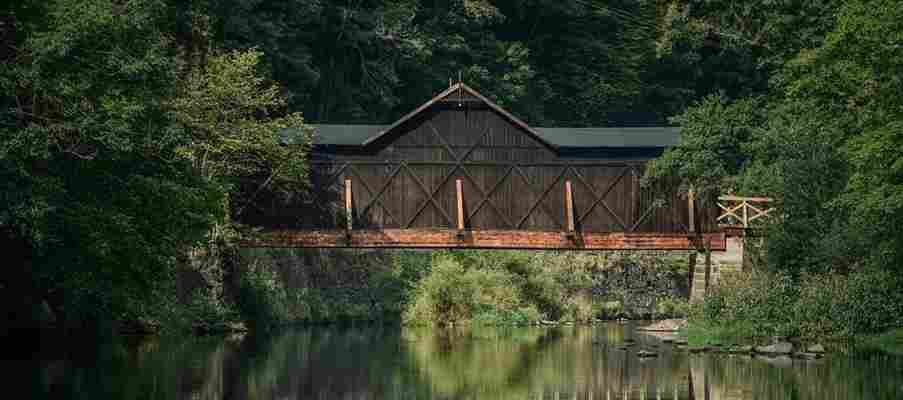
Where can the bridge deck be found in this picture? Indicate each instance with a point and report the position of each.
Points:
(485, 239)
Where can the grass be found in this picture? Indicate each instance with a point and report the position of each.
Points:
(699, 333)
(890, 342)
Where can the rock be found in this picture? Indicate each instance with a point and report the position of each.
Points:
(816, 348)
(668, 339)
(629, 343)
(545, 322)
(779, 361)
(681, 342)
(646, 354)
(697, 349)
(779, 348)
(807, 356)
(740, 350)
(668, 325)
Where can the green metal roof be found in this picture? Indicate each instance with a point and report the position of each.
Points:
(356, 135)
(611, 137)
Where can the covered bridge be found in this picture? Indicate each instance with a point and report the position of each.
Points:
(460, 171)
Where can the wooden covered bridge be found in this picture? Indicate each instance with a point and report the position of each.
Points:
(460, 171)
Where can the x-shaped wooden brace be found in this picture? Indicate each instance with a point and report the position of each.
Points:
(648, 212)
(328, 183)
(489, 194)
(429, 200)
(458, 165)
(759, 212)
(599, 199)
(542, 197)
(730, 211)
(375, 197)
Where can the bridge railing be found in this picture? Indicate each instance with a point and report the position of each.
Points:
(740, 212)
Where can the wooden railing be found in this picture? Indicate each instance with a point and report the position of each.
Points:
(740, 212)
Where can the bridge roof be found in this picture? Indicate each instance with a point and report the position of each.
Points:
(633, 137)
(553, 137)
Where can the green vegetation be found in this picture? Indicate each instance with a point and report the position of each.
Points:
(825, 306)
(823, 140)
(126, 140)
(461, 286)
(133, 135)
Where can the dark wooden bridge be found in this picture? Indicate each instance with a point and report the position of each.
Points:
(460, 171)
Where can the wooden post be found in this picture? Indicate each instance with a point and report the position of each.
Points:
(460, 187)
(348, 205)
(745, 215)
(691, 208)
(569, 203)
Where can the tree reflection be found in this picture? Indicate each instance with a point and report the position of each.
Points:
(374, 362)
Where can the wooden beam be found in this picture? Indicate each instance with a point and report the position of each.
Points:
(738, 198)
(483, 239)
(460, 187)
(569, 203)
(348, 205)
(691, 209)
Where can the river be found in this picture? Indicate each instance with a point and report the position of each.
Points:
(374, 362)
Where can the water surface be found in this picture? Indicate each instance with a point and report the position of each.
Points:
(372, 362)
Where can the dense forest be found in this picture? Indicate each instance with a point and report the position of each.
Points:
(128, 127)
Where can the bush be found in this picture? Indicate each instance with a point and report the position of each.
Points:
(452, 293)
(827, 305)
(833, 305)
(262, 301)
(672, 308)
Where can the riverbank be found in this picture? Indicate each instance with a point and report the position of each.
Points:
(463, 286)
(861, 310)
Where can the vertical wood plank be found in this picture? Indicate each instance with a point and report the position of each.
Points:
(691, 208)
(348, 205)
(460, 188)
(745, 214)
(569, 203)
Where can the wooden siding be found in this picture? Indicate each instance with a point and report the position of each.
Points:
(510, 180)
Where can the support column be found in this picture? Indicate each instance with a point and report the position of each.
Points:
(718, 266)
(348, 206)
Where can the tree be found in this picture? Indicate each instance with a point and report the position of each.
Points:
(118, 151)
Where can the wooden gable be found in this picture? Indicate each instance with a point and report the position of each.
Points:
(460, 124)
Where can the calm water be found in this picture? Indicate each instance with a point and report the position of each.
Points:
(392, 363)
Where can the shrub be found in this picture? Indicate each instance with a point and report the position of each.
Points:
(825, 305)
(670, 307)
(452, 293)
(834, 305)
(262, 301)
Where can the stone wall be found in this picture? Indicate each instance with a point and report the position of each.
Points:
(718, 265)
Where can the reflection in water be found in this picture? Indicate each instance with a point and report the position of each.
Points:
(391, 363)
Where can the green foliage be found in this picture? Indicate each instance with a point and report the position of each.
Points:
(670, 307)
(230, 117)
(262, 300)
(759, 298)
(712, 150)
(822, 139)
(817, 306)
(107, 153)
(515, 287)
(452, 293)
